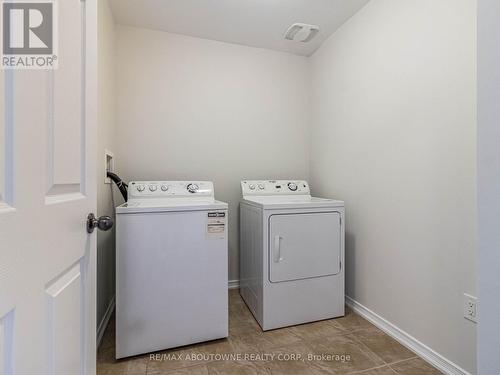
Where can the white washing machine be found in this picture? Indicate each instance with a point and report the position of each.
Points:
(291, 253)
(171, 267)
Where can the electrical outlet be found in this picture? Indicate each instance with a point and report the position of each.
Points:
(470, 307)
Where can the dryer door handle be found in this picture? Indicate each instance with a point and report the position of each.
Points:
(277, 249)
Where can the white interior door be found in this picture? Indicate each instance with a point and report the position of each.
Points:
(304, 245)
(47, 188)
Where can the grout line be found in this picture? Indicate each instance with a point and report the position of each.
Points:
(403, 360)
(176, 369)
(410, 359)
(368, 349)
(371, 369)
(383, 360)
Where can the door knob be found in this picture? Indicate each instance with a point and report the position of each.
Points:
(103, 223)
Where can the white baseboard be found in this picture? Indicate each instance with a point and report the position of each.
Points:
(437, 360)
(233, 284)
(105, 320)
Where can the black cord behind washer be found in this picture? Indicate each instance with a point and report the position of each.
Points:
(122, 186)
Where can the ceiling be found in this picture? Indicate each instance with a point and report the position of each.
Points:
(256, 23)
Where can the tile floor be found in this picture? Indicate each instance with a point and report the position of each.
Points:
(360, 348)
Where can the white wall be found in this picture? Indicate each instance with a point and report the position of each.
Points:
(489, 186)
(106, 140)
(190, 108)
(393, 134)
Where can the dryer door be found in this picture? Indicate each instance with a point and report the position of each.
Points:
(305, 245)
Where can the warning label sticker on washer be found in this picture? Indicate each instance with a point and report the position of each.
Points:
(216, 225)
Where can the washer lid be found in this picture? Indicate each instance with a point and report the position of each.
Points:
(169, 205)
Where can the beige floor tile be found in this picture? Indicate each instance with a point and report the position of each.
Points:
(351, 335)
(238, 327)
(293, 359)
(191, 370)
(234, 293)
(175, 359)
(384, 346)
(290, 353)
(240, 315)
(241, 321)
(134, 366)
(317, 330)
(352, 322)
(302, 347)
(386, 370)
(108, 339)
(342, 354)
(237, 304)
(294, 368)
(108, 365)
(235, 300)
(262, 341)
(222, 346)
(415, 366)
(106, 354)
(237, 368)
(280, 337)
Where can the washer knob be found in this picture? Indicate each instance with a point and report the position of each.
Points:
(153, 187)
(292, 186)
(193, 188)
(262, 186)
(164, 187)
(251, 187)
(140, 188)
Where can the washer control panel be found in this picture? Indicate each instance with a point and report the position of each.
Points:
(170, 189)
(275, 187)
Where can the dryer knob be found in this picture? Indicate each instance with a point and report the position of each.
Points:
(153, 187)
(292, 186)
(140, 188)
(193, 188)
(164, 187)
(251, 187)
(262, 186)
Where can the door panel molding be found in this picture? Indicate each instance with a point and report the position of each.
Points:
(6, 342)
(64, 309)
(66, 144)
(6, 141)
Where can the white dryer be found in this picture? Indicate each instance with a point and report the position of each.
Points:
(171, 267)
(291, 253)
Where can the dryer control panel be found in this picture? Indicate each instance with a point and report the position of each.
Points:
(275, 187)
(170, 189)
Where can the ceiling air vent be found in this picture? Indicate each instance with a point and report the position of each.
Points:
(301, 32)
